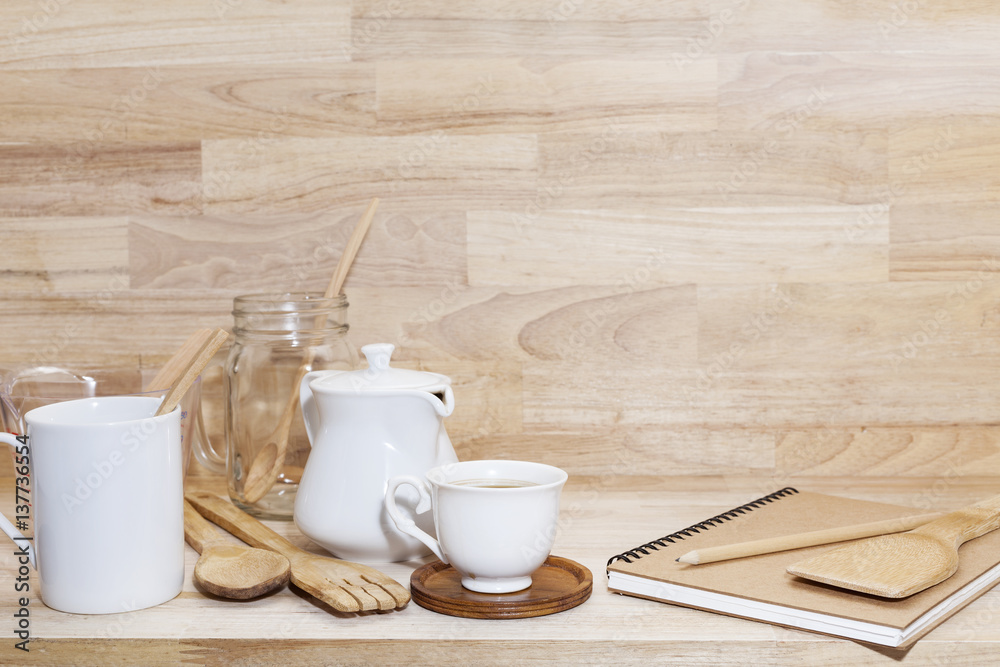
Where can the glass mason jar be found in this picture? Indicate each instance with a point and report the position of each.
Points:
(278, 338)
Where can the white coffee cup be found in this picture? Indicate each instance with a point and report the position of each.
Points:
(495, 537)
(106, 491)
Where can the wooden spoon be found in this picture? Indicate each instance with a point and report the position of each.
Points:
(232, 570)
(343, 585)
(269, 460)
(896, 566)
(190, 373)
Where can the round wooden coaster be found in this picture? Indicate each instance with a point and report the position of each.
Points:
(559, 584)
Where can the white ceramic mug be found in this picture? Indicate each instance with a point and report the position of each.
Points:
(495, 520)
(106, 492)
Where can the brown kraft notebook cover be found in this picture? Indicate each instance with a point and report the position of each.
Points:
(758, 587)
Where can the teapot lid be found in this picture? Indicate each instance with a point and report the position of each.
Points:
(380, 375)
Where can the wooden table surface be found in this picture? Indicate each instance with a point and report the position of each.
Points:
(600, 517)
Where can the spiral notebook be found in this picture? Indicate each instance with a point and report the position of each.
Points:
(758, 587)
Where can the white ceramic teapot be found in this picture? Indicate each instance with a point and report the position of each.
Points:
(367, 426)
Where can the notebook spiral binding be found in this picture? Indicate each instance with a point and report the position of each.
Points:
(672, 538)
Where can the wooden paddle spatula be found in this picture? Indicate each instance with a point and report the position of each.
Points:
(899, 565)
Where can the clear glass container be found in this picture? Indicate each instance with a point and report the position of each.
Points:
(277, 339)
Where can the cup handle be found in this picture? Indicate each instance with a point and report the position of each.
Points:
(21, 449)
(406, 524)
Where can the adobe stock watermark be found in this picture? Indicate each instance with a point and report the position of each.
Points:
(223, 7)
(912, 169)
(901, 14)
(706, 38)
(931, 327)
(115, 117)
(373, 27)
(786, 126)
(50, 351)
(573, 511)
(546, 196)
(563, 11)
(248, 152)
(87, 484)
(432, 310)
(409, 164)
(754, 327)
(31, 26)
(575, 342)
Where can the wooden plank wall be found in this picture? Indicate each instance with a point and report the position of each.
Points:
(691, 237)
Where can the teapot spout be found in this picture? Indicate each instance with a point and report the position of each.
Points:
(442, 399)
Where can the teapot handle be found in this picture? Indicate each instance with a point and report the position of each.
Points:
(310, 413)
(404, 523)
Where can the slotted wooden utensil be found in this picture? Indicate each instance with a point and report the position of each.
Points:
(343, 585)
(172, 370)
(899, 565)
(232, 570)
(269, 460)
(191, 370)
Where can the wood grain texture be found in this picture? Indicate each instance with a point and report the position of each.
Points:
(98, 33)
(56, 254)
(667, 246)
(600, 515)
(550, 11)
(613, 168)
(896, 327)
(941, 161)
(97, 178)
(888, 451)
(785, 91)
(899, 565)
(867, 26)
(956, 242)
(523, 95)
(255, 103)
(711, 236)
(377, 38)
(239, 252)
(310, 175)
(559, 584)
(664, 246)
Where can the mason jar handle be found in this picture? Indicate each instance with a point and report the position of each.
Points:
(20, 449)
(203, 449)
(404, 523)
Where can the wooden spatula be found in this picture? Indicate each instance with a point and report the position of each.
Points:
(343, 585)
(232, 570)
(190, 371)
(172, 370)
(899, 565)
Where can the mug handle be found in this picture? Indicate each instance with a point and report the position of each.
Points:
(406, 524)
(5, 525)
